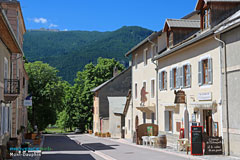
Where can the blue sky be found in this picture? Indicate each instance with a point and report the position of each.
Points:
(102, 15)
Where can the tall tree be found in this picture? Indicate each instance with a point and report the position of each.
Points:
(91, 77)
(47, 91)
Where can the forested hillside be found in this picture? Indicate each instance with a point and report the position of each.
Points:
(70, 51)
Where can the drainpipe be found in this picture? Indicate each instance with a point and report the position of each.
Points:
(226, 89)
(156, 82)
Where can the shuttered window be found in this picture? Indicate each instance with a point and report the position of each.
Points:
(163, 80)
(205, 72)
(152, 88)
(173, 78)
(136, 91)
(187, 76)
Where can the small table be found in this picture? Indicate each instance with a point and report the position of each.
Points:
(153, 141)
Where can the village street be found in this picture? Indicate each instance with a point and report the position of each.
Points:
(84, 147)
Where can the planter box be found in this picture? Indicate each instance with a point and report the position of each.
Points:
(34, 135)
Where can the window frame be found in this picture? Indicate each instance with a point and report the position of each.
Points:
(163, 80)
(153, 88)
(205, 74)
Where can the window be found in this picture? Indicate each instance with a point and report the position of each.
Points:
(206, 19)
(145, 85)
(180, 77)
(136, 91)
(152, 88)
(153, 117)
(173, 78)
(187, 76)
(145, 54)
(135, 61)
(170, 39)
(163, 80)
(205, 75)
(144, 117)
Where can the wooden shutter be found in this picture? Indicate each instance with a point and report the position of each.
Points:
(188, 76)
(160, 80)
(200, 73)
(178, 126)
(177, 77)
(171, 79)
(210, 72)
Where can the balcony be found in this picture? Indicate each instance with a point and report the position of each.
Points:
(11, 89)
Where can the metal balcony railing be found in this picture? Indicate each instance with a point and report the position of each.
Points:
(11, 86)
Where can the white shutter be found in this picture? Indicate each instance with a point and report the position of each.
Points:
(177, 77)
(160, 80)
(165, 80)
(181, 76)
(200, 73)
(171, 79)
(188, 76)
(210, 71)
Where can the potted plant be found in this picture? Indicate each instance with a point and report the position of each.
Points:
(108, 134)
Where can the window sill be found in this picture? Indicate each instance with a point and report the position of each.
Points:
(206, 86)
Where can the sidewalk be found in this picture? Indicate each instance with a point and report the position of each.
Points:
(173, 150)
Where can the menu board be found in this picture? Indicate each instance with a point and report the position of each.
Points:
(213, 146)
(196, 140)
(150, 131)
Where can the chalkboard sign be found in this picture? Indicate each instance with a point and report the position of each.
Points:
(196, 140)
(213, 146)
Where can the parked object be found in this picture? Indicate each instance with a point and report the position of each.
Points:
(162, 141)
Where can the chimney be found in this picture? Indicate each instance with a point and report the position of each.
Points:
(115, 71)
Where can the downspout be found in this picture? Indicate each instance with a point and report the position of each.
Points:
(226, 89)
(156, 81)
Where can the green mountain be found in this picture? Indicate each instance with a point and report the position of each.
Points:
(70, 51)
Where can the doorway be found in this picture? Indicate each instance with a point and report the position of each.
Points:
(169, 121)
(207, 122)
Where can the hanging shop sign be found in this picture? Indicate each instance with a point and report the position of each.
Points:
(180, 97)
(196, 140)
(214, 146)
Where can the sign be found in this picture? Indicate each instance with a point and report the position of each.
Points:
(150, 131)
(27, 103)
(214, 146)
(207, 96)
(196, 140)
(180, 97)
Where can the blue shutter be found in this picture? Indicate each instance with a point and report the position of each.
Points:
(210, 72)
(160, 80)
(188, 76)
(177, 78)
(200, 73)
(181, 77)
(171, 79)
(165, 80)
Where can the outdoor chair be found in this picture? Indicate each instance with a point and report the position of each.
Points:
(146, 140)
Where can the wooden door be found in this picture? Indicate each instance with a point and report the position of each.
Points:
(170, 121)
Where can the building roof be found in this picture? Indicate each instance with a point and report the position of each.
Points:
(199, 36)
(108, 81)
(181, 23)
(200, 2)
(151, 37)
(117, 104)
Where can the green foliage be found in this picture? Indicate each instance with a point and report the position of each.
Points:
(70, 51)
(47, 91)
(91, 77)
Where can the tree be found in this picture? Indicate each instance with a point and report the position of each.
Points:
(47, 92)
(91, 77)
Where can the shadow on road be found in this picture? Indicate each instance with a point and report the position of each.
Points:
(61, 143)
(67, 157)
(98, 146)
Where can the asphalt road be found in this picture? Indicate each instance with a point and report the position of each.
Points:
(84, 147)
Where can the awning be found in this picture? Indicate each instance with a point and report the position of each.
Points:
(146, 108)
(204, 105)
